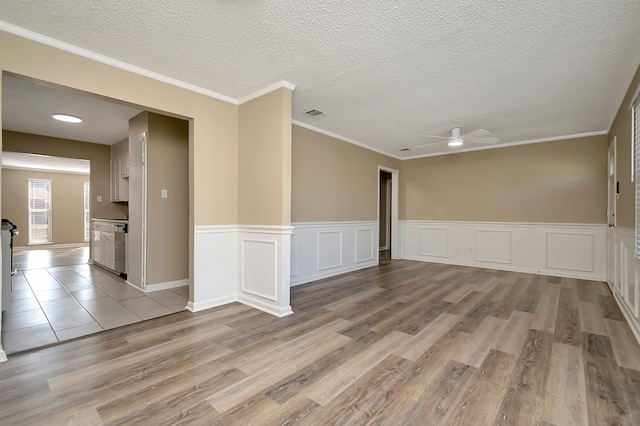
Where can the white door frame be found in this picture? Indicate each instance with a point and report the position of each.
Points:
(612, 195)
(395, 254)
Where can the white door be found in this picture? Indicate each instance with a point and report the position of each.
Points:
(137, 221)
(611, 215)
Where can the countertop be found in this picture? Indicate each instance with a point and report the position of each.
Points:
(110, 220)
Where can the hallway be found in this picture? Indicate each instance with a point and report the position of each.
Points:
(56, 296)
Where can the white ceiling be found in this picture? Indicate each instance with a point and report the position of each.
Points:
(27, 106)
(386, 72)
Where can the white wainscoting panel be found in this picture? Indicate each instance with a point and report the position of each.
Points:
(364, 245)
(625, 282)
(567, 250)
(433, 242)
(258, 270)
(573, 252)
(295, 257)
(215, 275)
(325, 249)
(248, 264)
(493, 246)
(265, 268)
(329, 249)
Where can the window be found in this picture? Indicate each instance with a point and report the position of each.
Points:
(39, 211)
(87, 218)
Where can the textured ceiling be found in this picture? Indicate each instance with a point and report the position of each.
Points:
(386, 72)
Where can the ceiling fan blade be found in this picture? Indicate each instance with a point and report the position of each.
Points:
(429, 144)
(439, 137)
(475, 134)
(483, 140)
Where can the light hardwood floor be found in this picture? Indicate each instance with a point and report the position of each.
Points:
(405, 343)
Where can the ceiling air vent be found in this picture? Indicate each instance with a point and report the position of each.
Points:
(315, 113)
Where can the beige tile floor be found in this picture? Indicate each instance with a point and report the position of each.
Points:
(57, 303)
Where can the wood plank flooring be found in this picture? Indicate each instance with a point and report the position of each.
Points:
(404, 343)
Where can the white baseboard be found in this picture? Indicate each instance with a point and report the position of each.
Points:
(133, 286)
(510, 268)
(50, 246)
(260, 304)
(211, 303)
(166, 285)
(329, 273)
(628, 315)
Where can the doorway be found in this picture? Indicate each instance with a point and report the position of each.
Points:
(388, 213)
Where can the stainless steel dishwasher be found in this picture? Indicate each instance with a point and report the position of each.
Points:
(120, 247)
(109, 245)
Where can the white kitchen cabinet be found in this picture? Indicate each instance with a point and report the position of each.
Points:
(119, 178)
(123, 163)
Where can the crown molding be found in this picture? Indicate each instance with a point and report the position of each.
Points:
(275, 86)
(342, 138)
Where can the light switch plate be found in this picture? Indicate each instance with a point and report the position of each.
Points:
(99, 198)
(165, 193)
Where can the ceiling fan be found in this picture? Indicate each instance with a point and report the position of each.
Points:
(456, 139)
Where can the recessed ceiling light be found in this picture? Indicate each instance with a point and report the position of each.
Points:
(67, 118)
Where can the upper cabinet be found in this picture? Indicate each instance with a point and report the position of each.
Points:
(123, 163)
(120, 172)
(120, 178)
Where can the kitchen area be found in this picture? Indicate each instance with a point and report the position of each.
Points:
(135, 265)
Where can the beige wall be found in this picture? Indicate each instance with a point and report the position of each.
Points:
(264, 160)
(334, 180)
(98, 155)
(621, 130)
(67, 204)
(555, 182)
(167, 167)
